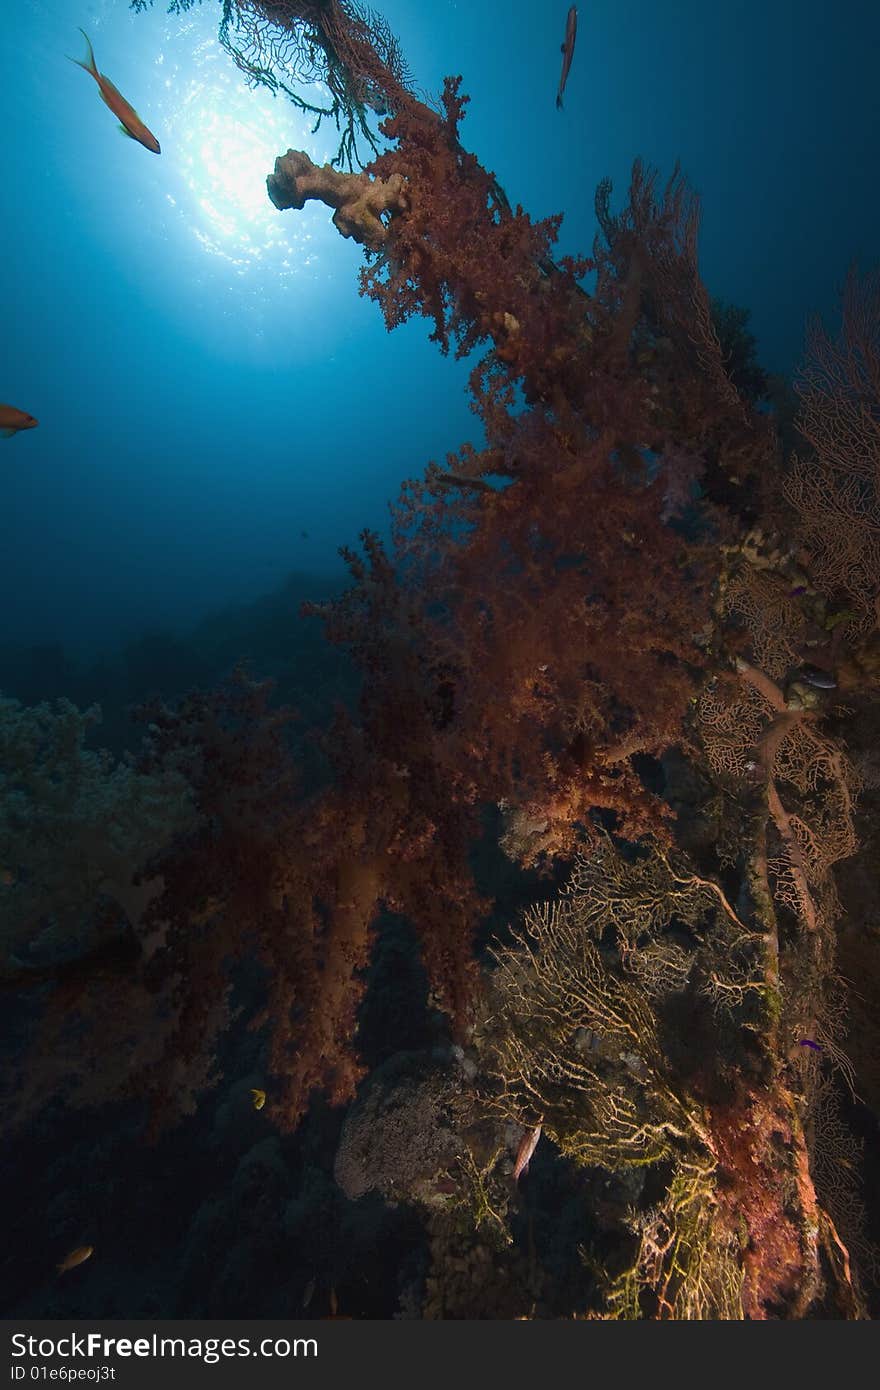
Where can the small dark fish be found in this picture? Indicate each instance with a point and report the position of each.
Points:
(816, 676)
(524, 1152)
(798, 589)
(567, 50)
(808, 1042)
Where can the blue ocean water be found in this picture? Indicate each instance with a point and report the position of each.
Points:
(218, 408)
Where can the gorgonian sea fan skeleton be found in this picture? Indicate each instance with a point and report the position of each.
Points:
(291, 45)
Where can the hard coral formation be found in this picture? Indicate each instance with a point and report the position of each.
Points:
(360, 202)
(403, 1135)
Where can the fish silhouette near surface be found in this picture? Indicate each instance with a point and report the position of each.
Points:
(12, 420)
(571, 28)
(76, 1257)
(130, 122)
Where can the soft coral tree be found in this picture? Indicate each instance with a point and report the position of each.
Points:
(538, 637)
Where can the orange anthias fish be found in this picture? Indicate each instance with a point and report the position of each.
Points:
(13, 420)
(76, 1257)
(571, 28)
(524, 1153)
(130, 122)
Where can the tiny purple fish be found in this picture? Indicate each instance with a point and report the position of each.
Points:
(808, 1042)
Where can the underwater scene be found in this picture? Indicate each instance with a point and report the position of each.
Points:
(440, 670)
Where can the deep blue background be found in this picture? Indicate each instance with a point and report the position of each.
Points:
(208, 383)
